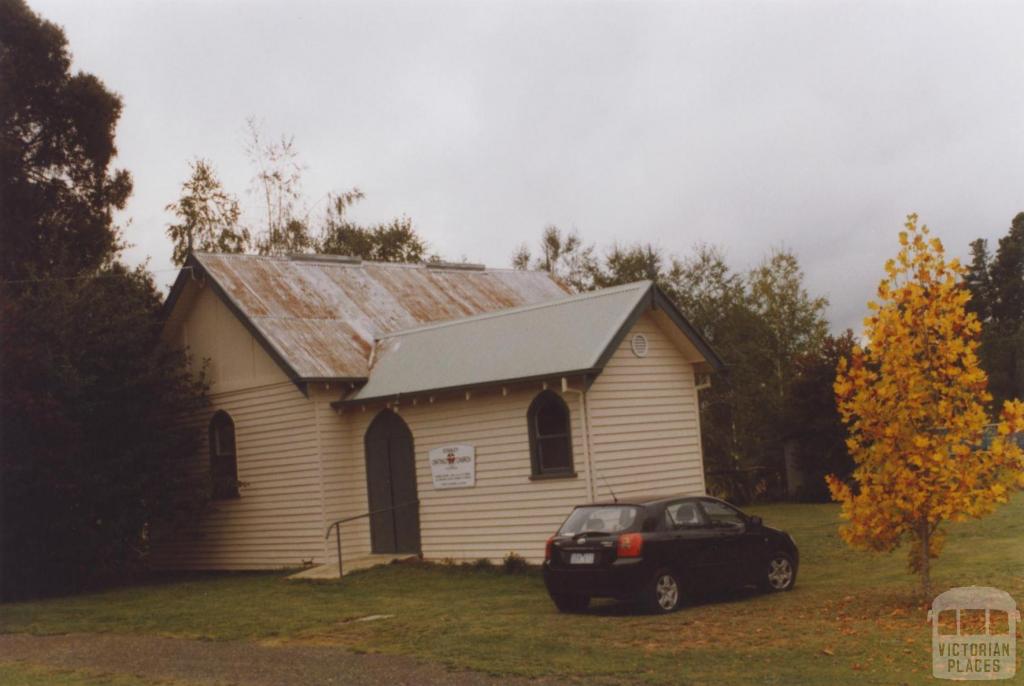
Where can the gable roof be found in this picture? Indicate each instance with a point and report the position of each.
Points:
(569, 336)
(318, 316)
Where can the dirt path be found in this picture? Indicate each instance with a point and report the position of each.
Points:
(232, 662)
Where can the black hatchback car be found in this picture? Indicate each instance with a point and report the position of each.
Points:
(654, 549)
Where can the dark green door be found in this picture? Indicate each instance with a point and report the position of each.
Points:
(391, 485)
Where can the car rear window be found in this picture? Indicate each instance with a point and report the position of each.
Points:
(609, 519)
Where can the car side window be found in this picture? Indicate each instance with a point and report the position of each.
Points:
(721, 514)
(683, 513)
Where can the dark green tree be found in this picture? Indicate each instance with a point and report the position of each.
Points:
(277, 185)
(57, 191)
(1003, 337)
(90, 445)
(811, 418)
(395, 241)
(91, 460)
(739, 412)
(207, 216)
(978, 281)
(564, 255)
(630, 263)
(796, 321)
(1007, 276)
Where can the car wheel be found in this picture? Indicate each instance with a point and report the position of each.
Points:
(780, 573)
(664, 592)
(570, 603)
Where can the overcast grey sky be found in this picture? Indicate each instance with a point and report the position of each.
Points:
(813, 125)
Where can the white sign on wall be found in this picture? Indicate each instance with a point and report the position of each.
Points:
(453, 466)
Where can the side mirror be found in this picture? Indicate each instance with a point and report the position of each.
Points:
(756, 522)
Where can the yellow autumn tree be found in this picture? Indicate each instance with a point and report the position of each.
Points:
(914, 403)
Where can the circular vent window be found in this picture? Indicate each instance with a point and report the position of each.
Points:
(639, 345)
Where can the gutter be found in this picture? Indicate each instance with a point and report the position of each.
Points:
(459, 388)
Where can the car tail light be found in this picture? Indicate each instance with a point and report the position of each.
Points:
(547, 548)
(630, 545)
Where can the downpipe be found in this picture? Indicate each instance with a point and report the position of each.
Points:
(591, 489)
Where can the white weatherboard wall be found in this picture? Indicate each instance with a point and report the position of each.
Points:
(644, 420)
(278, 519)
(644, 440)
(213, 335)
(505, 512)
(343, 470)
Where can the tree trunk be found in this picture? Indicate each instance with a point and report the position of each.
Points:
(925, 567)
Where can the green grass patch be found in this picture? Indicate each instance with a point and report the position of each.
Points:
(853, 618)
(24, 674)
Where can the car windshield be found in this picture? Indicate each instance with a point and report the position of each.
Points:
(608, 519)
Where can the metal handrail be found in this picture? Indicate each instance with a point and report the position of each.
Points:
(336, 524)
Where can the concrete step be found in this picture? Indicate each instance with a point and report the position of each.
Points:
(330, 571)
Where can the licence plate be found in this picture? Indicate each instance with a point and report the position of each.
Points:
(581, 559)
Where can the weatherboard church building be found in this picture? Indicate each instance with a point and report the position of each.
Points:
(443, 410)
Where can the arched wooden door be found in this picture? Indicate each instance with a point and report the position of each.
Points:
(391, 485)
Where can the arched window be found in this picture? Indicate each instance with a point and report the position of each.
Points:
(223, 463)
(550, 438)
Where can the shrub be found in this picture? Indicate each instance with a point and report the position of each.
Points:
(514, 563)
(482, 564)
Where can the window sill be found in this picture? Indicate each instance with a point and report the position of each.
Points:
(553, 475)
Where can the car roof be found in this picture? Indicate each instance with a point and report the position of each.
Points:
(646, 501)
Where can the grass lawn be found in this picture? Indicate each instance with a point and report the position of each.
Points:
(852, 617)
(17, 674)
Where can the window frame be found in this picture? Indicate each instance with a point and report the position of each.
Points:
(670, 520)
(704, 502)
(223, 463)
(537, 468)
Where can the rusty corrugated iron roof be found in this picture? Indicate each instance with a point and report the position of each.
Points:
(320, 317)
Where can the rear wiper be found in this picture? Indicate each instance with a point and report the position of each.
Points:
(592, 533)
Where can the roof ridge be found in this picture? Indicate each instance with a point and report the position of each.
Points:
(587, 295)
(310, 260)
